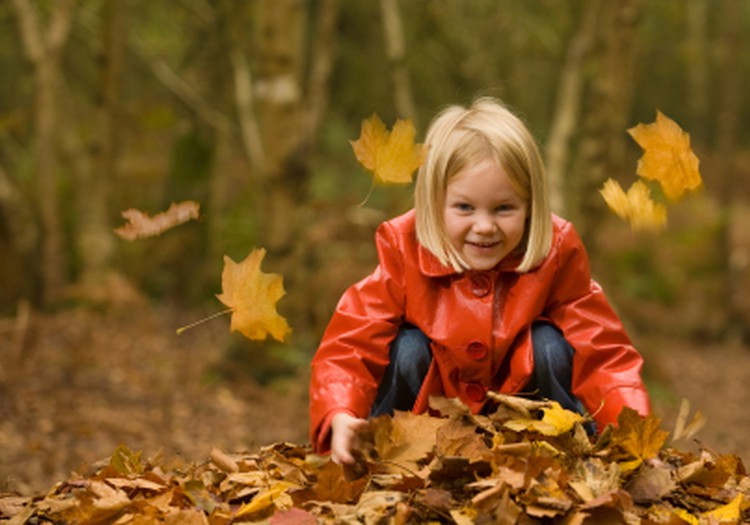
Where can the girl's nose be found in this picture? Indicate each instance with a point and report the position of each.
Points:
(484, 225)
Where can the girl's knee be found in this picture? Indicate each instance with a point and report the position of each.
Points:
(411, 345)
(546, 338)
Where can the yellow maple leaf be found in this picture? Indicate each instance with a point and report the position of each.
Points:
(276, 496)
(392, 156)
(667, 156)
(729, 513)
(252, 296)
(635, 206)
(639, 438)
(555, 421)
(685, 516)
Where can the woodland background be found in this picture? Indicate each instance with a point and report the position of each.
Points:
(247, 107)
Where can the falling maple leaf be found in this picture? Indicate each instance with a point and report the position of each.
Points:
(667, 156)
(635, 206)
(140, 225)
(392, 156)
(252, 296)
(668, 159)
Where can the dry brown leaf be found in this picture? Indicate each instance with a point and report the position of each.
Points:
(333, 486)
(222, 460)
(527, 478)
(651, 483)
(593, 478)
(140, 225)
(459, 438)
(293, 516)
(684, 430)
(414, 437)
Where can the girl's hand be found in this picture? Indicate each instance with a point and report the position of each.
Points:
(344, 428)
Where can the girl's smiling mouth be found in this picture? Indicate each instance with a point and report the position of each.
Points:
(483, 245)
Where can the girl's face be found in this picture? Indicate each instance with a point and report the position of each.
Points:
(484, 217)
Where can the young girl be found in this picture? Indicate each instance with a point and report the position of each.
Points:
(479, 287)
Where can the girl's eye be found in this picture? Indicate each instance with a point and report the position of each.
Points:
(505, 207)
(462, 206)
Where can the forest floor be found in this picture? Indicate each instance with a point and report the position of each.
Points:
(82, 382)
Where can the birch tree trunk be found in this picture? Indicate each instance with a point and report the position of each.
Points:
(95, 239)
(603, 146)
(43, 48)
(396, 51)
(17, 218)
(698, 72)
(281, 101)
(568, 105)
(730, 102)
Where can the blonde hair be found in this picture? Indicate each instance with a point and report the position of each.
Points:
(460, 136)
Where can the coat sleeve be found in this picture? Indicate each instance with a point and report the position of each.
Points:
(351, 359)
(606, 366)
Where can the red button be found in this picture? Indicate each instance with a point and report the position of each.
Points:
(475, 392)
(476, 350)
(481, 284)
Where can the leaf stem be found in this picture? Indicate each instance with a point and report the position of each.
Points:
(369, 193)
(201, 321)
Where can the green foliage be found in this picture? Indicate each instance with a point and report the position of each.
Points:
(640, 276)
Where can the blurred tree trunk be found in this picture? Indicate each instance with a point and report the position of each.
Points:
(727, 153)
(43, 48)
(18, 221)
(603, 144)
(281, 100)
(698, 72)
(396, 51)
(568, 105)
(95, 239)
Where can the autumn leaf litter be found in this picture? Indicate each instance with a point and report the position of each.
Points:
(448, 467)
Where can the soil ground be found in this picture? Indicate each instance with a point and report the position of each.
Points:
(80, 382)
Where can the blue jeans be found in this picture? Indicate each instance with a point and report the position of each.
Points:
(411, 358)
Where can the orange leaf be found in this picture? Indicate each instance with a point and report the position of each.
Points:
(667, 156)
(252, 295)
(140, 225)
(393, 156)
(331, 485)
(638, 437)
(635, 206)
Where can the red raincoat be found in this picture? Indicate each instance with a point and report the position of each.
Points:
(480, 327)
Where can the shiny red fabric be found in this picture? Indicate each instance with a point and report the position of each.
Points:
(480, 327)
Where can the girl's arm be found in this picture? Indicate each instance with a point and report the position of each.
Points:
(606, 365)
(350, 361)
(344, 428)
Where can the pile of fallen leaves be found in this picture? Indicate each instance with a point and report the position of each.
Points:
(526, 462)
